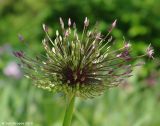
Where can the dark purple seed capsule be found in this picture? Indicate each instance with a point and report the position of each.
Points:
(18, 54)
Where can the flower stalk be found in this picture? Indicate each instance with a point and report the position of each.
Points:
(69, 111)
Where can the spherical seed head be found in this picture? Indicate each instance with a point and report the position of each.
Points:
(81, 64)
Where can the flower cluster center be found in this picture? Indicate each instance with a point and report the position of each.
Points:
(73, 77)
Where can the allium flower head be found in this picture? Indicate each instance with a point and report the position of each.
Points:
(84, 64)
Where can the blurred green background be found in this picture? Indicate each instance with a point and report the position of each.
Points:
(134, 103)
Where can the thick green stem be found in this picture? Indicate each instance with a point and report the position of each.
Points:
(69, 112)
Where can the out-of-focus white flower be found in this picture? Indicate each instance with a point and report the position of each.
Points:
(12, 70)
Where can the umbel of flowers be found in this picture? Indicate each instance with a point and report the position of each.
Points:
(80, 64)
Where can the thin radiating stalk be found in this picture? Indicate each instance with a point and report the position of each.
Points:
(69, 111)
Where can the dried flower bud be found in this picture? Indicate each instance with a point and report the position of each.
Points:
(61, 23)
(45, 28)
(86, 22)
(113, 25)
(69, 22)
(57, 33)
(150, 51)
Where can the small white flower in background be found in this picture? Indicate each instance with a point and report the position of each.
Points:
(12, 70)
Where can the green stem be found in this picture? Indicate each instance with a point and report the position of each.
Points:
(69, 112)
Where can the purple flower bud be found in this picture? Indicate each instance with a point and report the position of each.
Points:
(124, 55)
(18, 54)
